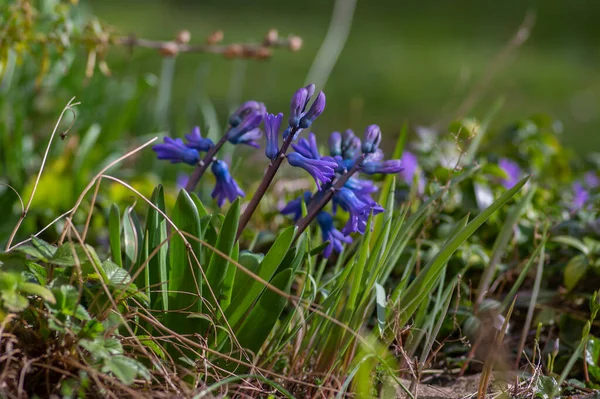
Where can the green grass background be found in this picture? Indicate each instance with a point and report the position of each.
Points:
(404, 60)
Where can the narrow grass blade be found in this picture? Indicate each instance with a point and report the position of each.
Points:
(217, 268)
(114, 228)
(419, 288)
(501, 242)
(158, 268)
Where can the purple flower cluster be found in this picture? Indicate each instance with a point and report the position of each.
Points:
(348, 156)
(244, 128)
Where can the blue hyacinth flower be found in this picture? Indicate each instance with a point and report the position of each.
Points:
(176, 151)
(322, 170)
(335, 237)
(294, 207)
(308, 147)
(272, 125)
(386, 167)
(247, 131)
(196, 141)
(359, 210)
(243, 110)
(226, 187)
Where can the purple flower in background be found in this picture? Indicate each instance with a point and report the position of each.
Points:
(294, 207)
(321, 170)
(182, 180)
(272, 125)
(410, 163)
(389, 166)
(175, 151)
(335, 237)
(196, 141)
(580, 196)
(512, 170)
(247, 131)
(226, 187)
(591, 180)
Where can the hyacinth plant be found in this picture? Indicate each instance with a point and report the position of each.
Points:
(335, 175)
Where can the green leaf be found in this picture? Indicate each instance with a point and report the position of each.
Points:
(250, 261)
(116, 276)
(381, 300)
(262, 318)
(199, 205)
(69, 255)
(125, 369)
(114, 231)
(573, 242)
(185, 279)
(133, 239)
(67, 299)
(425, 280)
(592, 358)
(546, 387)
(39, 290)
(35, 252)
(151, 344)
(575, 270)
(217, 268)
(157, 269)
(228, 281)
(250, 291)
(13, 301)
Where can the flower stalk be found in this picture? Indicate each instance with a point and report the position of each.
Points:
(204, 164)
(265, 183)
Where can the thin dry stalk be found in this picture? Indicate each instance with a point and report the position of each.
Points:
(68, 107)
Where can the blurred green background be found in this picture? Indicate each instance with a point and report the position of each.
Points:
(412, 61)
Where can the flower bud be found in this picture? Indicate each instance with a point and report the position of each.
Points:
(244, 109)
(387, 167)
(183, 37)
(335, 144)
(169, 49)
(372, 139)
(297, 105)
(352, 150)
(316, 109)
(263, 53)
(294, 43)
(271, 38)
(215, 37)
(234, 51)
(272, 124)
